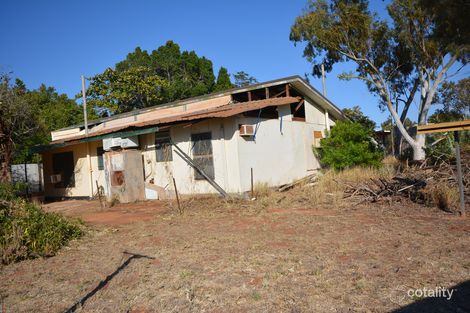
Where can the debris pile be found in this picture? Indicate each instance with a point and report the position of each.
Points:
(424, 183)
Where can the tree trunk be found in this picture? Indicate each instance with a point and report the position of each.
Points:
(418, 148)
(397, 141)
(5, 172)
(5, 163)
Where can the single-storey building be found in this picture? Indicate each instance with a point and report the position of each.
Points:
(262, 133)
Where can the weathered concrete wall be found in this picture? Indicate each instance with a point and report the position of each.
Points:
(225, 156)
(280, 155)
(277, 156)
(81, 170)
(124, 176)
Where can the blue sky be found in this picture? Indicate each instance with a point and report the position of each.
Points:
(54, 42)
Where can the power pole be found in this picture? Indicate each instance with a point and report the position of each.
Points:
(85, 118)
(323, 79)
(84, 105)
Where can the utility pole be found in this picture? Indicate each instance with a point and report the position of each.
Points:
(88, 157)
(323, 79)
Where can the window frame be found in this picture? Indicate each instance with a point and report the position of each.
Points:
(207, 159)
(163, 147)
(100, 158)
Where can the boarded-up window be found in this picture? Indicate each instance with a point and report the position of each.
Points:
(99, 154)
(202, 154)
(62, 163)
(163, 146)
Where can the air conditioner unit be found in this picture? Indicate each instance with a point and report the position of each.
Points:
(247, 130)
(56, 178)
(129, 142)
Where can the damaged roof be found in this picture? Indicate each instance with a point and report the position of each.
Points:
(214, 105)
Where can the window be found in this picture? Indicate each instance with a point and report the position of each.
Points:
(99, 154)
(163, 146)
(62, 163)
(202, 154)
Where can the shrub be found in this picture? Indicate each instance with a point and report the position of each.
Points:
(26, 231)
(347, 145)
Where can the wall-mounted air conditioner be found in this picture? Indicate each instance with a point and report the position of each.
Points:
(247, 130)
(56, 178)
(113, 143)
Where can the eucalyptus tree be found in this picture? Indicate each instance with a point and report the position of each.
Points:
(412, 56)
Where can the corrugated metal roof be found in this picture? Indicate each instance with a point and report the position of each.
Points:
(221, 111)
(297, 82)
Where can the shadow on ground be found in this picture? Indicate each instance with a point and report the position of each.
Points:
(108, 278)
(459, 302)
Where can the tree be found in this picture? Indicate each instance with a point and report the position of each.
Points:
(355, 115)
(126, 90)
(17, 122)
(395, 63)
(223, 80)
(243, 79)
(349, 144)
(164, 75)
(52, 111)
(455, 98)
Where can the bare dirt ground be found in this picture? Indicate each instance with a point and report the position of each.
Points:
(248, 257)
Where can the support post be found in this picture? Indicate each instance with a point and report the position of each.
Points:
(177, 197)
(26, 177)
(459, 173)
(252, 187)
(327, 120)
(85, 119)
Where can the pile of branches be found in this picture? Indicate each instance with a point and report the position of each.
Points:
(378, 189)
(423, 183)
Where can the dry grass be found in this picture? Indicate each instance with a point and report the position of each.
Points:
(303, 250)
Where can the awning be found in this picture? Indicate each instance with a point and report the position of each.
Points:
(127, 133)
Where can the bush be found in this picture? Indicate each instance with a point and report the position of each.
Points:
(347, 145)
(26, 231)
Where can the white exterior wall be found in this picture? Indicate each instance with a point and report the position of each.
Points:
(276, 156)
(280, 156)
(224, 151)
(81, 171)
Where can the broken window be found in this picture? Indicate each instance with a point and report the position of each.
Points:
(99, 154)
(202, 155)
(298, 111)
(163, 146)
(63, 165)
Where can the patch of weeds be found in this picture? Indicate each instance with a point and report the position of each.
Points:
(186, 274)
(361, 284)
(255, 295)
(27, 231)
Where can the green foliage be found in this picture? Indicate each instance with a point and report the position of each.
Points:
(51, 111)
(442, 149)
(126, 90)
(349, 144)
(387, 124)
(455, 98)
(17, 123)
(223, 80)
(26, 231)
(243, 79)
(146, 79)
(355, 115)
(411, 50)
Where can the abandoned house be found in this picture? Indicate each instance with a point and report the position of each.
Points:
(221, 142)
